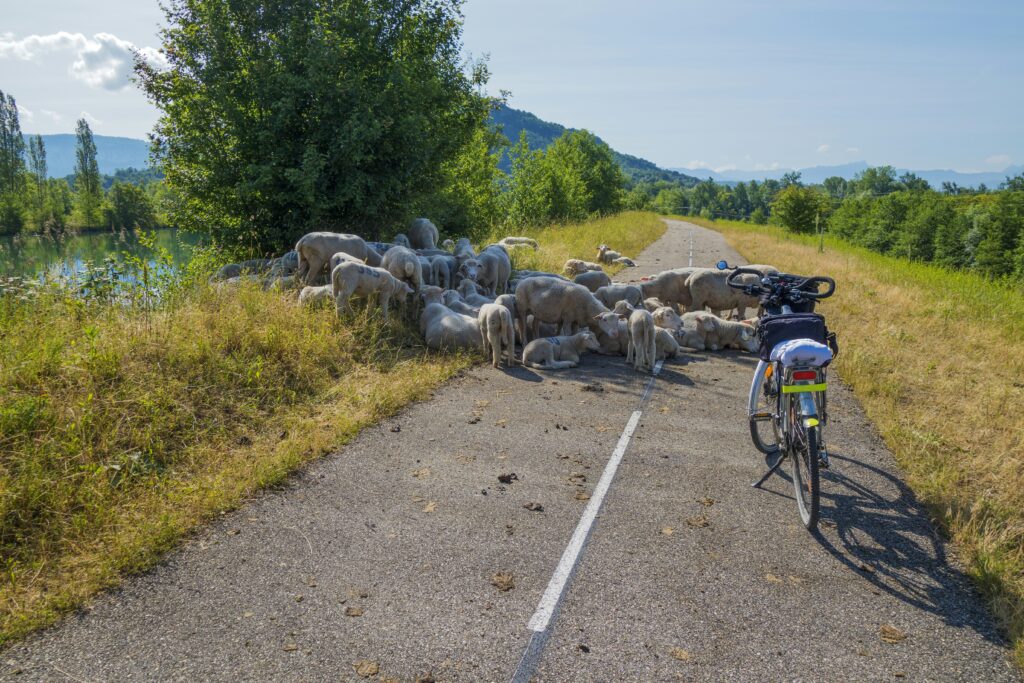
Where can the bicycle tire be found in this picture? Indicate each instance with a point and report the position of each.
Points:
(758, 402)
(806, 476)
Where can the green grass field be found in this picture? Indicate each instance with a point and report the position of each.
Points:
(123, 429)
(937, 359)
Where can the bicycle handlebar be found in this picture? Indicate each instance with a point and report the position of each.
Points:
(778, 283)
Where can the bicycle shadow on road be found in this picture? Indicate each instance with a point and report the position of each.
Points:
(885, 536)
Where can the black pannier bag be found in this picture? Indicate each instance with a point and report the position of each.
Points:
(774, 329)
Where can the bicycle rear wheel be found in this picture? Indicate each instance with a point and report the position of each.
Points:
(803, 454)
(761, 407)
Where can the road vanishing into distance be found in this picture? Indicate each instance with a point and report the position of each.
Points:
(594, 524)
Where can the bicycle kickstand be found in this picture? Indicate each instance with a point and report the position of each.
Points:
(769, 473)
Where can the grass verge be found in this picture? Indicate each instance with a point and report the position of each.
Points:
(124, 428)
(936, 357)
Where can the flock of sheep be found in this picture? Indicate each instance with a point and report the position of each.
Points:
(470, 300)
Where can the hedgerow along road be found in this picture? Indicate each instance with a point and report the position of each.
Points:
(593, 524)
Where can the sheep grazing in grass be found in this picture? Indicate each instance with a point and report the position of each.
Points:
(316, 248)
(512, 242)
(497, 331)
(443, 329)
(495, 269)
(232, 270)
(401, 240)
(284, 265)
(352, 279)
(342, 257)
(575, 266)
(593, 280)
(642, 340)
(558, 353)
(423, 234)
(404, 264)
(316, 295)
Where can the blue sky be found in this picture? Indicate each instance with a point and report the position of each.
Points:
(750, 85)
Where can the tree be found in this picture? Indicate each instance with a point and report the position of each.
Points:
(877, 180)
(583, 177)
(129, 207)
(283, 117)
(914, 183)
(12, 165)
(1014, 184)
(837, 187)
(797, 208)
(88, 191)
(37, 167)
(790, 178)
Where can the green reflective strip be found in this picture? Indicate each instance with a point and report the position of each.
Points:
(802, 388)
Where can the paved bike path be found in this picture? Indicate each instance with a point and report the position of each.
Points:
(384, 555)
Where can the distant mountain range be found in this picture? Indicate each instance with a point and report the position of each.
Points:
(540, 134)
(112, 153)
(817, 174)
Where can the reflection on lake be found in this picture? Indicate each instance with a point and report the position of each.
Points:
(33, 255)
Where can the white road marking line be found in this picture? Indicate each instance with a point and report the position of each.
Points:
(549, 601)
(691, 247)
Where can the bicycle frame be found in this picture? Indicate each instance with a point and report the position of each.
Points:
(804, 384)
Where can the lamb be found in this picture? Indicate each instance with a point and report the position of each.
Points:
(623, 309)
(468, 291)
(670, 287)
(665, 344)
(463, 250)
(519, 242)
(574, 266)
(734, 335)
(284, 265)
(453, 300)
(509, 302)
(316, 248)
(606, 255)
(423, 234)
(593, 280)
(616, 345)
(351, 279)
(557, 353)
(432, 295)
(442, 269)
(652, 303)
(697, 326)
(498, 333)
(401, 240)
(708, 288)
(469, 269)
(667, 318)
(314, 296)
(625, 261)
(448, 245)
(427, 269)
(555, 301)
(609, 295)
(495, 269)
(404, 264)
(341, 257)
(445, 329)
(642, 345)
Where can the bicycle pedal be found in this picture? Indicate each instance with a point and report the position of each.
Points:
(761, 417)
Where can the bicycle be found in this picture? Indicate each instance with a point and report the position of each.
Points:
(787, 403)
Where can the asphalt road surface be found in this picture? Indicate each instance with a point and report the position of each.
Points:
(452, 540)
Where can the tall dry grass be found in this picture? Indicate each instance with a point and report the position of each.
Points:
(937, 359)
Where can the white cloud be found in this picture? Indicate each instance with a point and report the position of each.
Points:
(54, 116)
(1001, 160)
(774, 166)
(823, 148)
(90, 119)
(25, 114)
(104, 61)
(696, 164)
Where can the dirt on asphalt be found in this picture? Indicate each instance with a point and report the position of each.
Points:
(423, 551)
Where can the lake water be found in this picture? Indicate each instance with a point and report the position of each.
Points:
(31, 256)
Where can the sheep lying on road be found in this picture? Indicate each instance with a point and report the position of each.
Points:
(665, 344)
(352, 279)
(443, 328)
(697, 325)
(734, 335)
(316, 248)
(567, 304)
(609, 295)
(642, 345)
(519, 242)
(498, 333)
(593, 280)
(574, 267)
(423, 234)
(557, 353)
(667, 318)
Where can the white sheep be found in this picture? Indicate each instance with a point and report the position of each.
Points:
(404, 264)
(667, 318)
(453, 300)
(495, 269)
(316, 295)
(642, 340)
(623, 309)
(666, 345)
(423, 234)
(570, 305)
(697, 326)
(352, 279)
(519, 242)
(557, 353)
(341, 257)
(498, 333)
(445, 329)
(467, 289)
(448, 244)
(463, 250)
(734, 335)
(401, 240)
(708, 288)
(316, 248)
(670, 287)
(593, 279)
(653, 303)
(575, 266)
(442, 267)
(609, 295)
(284, 265)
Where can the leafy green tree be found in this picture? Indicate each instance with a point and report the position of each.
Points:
(1014, 184)
(877, 180)
(12, 166)
(759, 217)
(88, 191)
(914, 182)
(797, 208)
(284, 117)
(583, 177)
(837, 187)
(526, 200)
(37, 170)
(995, 254)
(791, 178)
(128, 206)
(670, 201)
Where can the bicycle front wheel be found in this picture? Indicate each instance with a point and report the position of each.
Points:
(804, 456)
